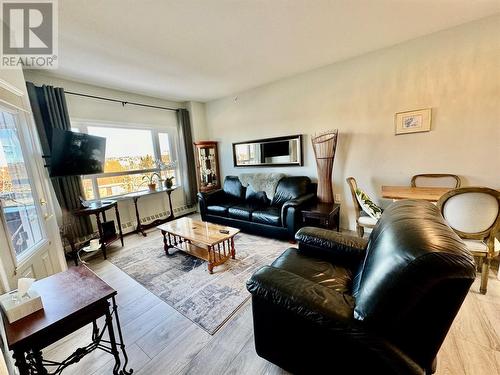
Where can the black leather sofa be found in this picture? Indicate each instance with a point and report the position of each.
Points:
(253, 212)
(343, 305)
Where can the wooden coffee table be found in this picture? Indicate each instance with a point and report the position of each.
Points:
(211, 242)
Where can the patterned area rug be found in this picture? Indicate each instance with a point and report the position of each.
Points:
(183, 281)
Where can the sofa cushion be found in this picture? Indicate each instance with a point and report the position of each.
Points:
(241, 211)
(290, 188)
(219, 209)
(269, 216)
(256, 197)
(332, 276)
(233, 188)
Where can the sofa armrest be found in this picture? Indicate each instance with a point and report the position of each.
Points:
(211, 196)
(302, 297)
(331, 245)
(290, 211)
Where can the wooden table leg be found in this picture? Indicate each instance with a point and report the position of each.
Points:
(20, 362)
(210, 265)
(138, 218)
(166, 242)
(118, 221)
(101, 236)
(171, 216)
(233, 252)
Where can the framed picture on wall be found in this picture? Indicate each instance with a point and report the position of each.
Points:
(413, 121)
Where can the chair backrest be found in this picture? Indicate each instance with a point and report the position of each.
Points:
(472, 212)
(353, 185)
(436, 179)
(414, 278)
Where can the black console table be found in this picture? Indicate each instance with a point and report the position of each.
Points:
(140, 228)
(98, 209)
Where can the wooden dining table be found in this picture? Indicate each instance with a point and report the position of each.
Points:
(431, 194)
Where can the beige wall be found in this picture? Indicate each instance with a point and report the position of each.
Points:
(456, 72)
(92, 109)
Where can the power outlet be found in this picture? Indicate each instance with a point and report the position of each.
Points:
(337, 198)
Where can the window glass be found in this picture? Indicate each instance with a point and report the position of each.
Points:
(126, 149)
(88, 188)
(124, 184)
(17, 201)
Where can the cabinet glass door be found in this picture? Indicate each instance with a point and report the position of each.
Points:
(20, 207)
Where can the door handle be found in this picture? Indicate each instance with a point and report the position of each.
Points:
(43, 202)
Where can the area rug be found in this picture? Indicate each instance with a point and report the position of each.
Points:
(183, 281)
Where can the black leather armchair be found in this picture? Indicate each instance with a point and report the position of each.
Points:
(344, 305)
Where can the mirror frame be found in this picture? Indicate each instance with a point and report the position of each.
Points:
(300, 152)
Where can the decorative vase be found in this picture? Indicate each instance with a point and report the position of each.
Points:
(324, 146)
(152, 187)
(169, 184)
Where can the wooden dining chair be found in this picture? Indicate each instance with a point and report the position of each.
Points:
(436, 180)
(363, 220)
(474, 214)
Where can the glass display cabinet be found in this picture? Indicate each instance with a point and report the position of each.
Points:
(207, 166)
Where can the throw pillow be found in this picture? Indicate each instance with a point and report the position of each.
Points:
(367, 205)
(256, 197)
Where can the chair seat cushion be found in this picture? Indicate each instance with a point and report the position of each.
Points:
(367, 220)
(269, 216)
(241, 211)
(322, 272)
(219, 209)
(479, 246)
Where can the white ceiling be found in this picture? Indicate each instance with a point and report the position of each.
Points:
(206, 49)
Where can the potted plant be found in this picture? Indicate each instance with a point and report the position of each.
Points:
(169, 181)
(150, 180)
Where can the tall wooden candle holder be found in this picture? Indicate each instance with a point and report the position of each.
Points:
(324, 146)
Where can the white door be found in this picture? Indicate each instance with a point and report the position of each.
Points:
(30, 245)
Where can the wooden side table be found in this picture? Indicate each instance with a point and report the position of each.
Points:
(71, 300)
(98, 209)
(325, 215)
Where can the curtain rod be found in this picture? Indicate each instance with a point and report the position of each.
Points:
(123, 102)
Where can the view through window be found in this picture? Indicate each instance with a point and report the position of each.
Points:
(131, 158)
(17, 199)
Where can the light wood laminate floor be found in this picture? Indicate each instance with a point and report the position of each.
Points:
(161, 341)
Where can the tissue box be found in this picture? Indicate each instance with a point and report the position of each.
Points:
(17, 308)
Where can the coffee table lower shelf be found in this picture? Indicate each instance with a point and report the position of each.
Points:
(215, 254)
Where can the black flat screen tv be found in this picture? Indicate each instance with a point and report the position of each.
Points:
(76, 154)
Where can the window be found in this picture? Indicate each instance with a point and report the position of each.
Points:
(17, 199)
(131, 154)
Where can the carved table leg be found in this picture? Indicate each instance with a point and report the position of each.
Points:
(101, 235)
(210, 260)
(118, 221)
(233, 252)
(166, 242)
(20, 362)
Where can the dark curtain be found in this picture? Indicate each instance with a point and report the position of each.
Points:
(186, 141)
(50, 111)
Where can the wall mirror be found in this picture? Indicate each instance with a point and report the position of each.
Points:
(269, 152)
